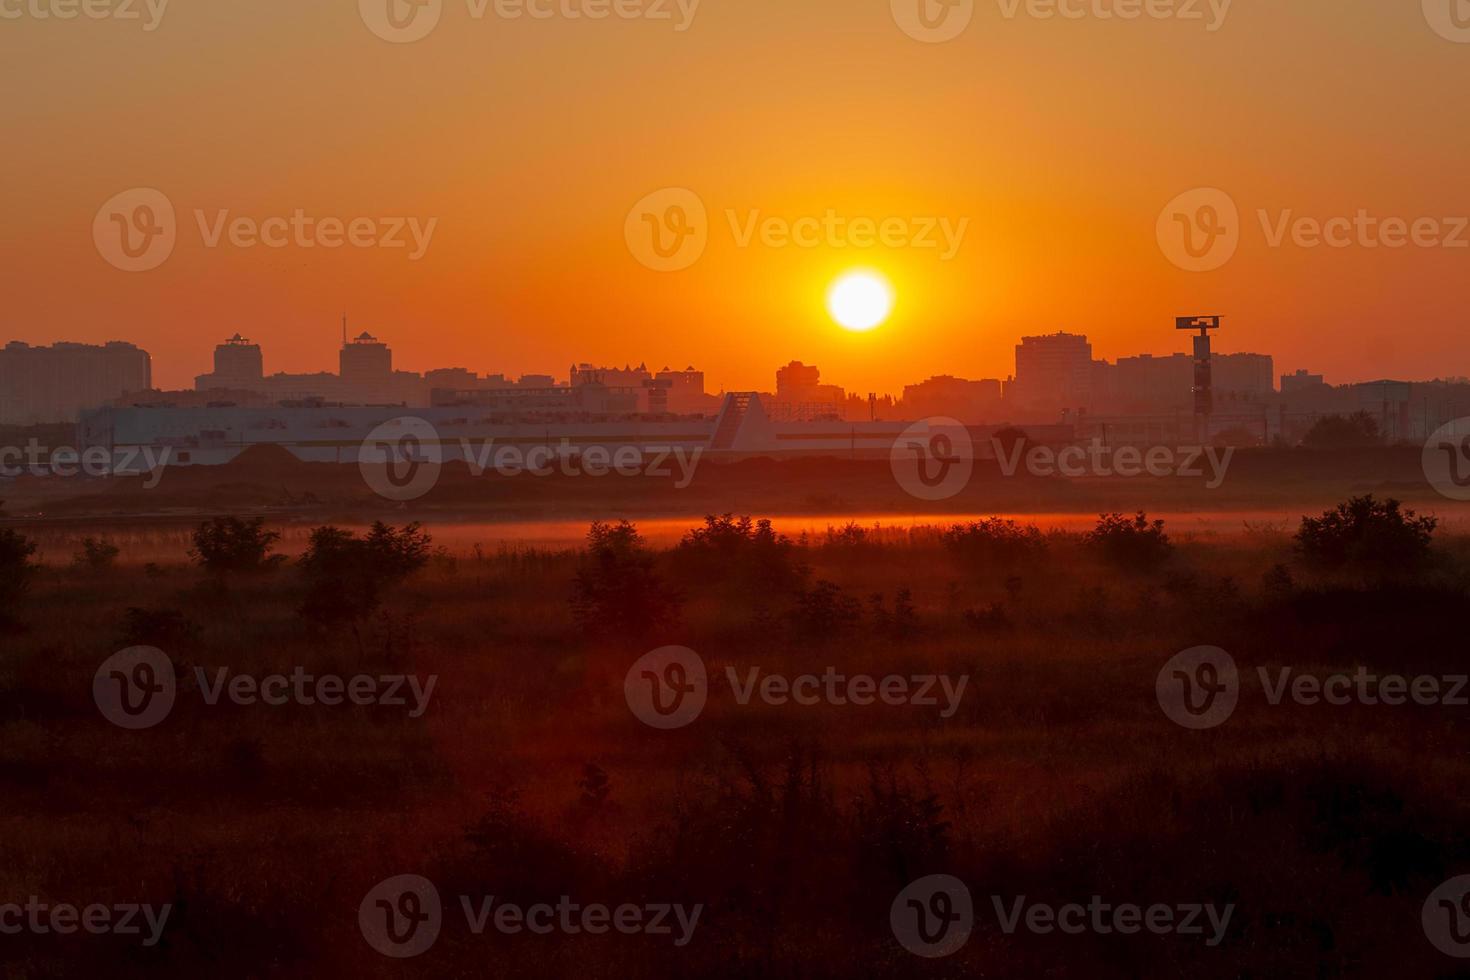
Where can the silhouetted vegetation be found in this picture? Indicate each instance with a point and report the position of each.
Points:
(1343, 432)
(228, 544)
(994, 541)
(1367, 533)
(1135, 544)
(742, 552)
(617, 592)
(825, 612)
(346, 575)
(96, 554)
(16, 568)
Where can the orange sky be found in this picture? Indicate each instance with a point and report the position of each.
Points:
(529, 141)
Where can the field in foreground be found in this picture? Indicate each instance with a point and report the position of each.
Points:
(1056, 776)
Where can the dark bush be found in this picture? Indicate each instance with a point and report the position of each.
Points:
(96, 553)
(825, 611)
(1343, 432)
(228, 544)
(347, 575)
(16, 568)
(1366, 533)
(617, 591)
(994, 541)
(1135, 544)
(741, 552)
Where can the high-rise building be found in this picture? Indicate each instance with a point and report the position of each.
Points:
(238, 365)
(55, 384)
(1053, 372)
(800, 394)
(1291, 383)
(625, 377)
(971, 402)
(1244, 377)
(365, 360)
(686, 392)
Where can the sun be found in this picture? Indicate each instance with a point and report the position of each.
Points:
(860, 300)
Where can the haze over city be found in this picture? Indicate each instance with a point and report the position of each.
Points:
(528, 140)
(734, 489)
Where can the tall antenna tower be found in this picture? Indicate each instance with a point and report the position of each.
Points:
(1204, 385)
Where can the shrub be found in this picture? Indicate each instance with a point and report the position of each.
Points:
(900, 624)
(96, 554)
(617, 591)
(994, 541)
(16, 568)
(228, 544)
(740, 551)
(1367, 533)
(167, 629)
(1343, 432)
(1135, 544)
(347, 575)
(825, 611)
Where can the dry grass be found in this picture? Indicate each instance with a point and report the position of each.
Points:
(1058, 778)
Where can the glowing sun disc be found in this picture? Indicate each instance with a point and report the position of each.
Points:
(860, 300)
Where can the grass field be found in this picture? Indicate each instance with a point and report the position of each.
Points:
(1057, 777)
